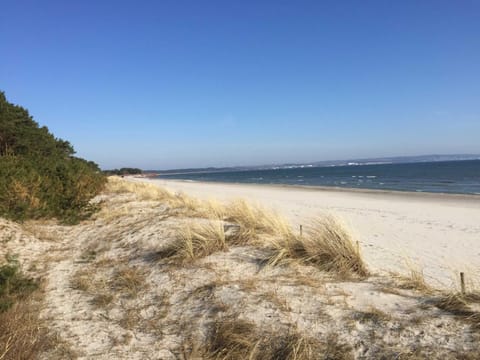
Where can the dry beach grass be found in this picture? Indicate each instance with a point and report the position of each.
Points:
(159, 274)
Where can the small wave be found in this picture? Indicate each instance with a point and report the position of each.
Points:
(299, 176)
(371, 176)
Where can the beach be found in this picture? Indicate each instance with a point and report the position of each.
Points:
(167, 275)
(436, 233)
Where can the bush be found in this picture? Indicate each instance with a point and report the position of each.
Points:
(39, 175)
(13, 285)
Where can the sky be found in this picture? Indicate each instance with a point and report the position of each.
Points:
(176, 83)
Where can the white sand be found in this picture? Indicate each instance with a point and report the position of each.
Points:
(439, 233)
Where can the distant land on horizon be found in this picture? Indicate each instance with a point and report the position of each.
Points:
(327, 163)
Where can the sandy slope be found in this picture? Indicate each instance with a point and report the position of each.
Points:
(441, 233)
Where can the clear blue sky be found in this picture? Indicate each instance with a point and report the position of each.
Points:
(166, 84)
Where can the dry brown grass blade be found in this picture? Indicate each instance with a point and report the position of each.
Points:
(128, 280)
(453, 303)
(22, 333)
(460, 306)
(415, 280)
(233, 338)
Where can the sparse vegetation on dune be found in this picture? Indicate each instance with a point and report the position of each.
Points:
(254, 222)
(14, 286)
(197, 240)
(232, 338)
(22, 334)
(143, 191)
(326, 244)
(461, 306)
(414, 279)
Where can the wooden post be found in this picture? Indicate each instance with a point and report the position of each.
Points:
(462, 282)
(301, 230)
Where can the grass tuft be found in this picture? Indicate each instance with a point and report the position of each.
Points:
(326, 245)
(233, 338)
(22, 333)
(415, 280)
(143, 191)
(13, 284)
(197, 240)
(372, 314)
(254, 221)
(459, 305)
(128, 280)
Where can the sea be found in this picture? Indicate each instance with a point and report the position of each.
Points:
(455, 177)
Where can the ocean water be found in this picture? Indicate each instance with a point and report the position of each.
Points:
(460, 177)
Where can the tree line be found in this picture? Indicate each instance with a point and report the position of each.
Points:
(123, 171)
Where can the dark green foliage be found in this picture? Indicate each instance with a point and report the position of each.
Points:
(13, 284)
(39, 176)
(124, 171)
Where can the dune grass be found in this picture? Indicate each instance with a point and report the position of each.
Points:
(143, 191)
(128, 280)
(233, 338)
(326, 245)
(254, 221)
(179, 204)
(196, 240)
(460, 306)
(414, 279)
(22, 333)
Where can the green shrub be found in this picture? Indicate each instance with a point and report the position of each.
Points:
(13, 284)
(39, 174)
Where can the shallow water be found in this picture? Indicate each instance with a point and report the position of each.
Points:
(460, 177)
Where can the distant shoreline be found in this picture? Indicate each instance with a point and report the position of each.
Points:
(402, 193)
(454, 177)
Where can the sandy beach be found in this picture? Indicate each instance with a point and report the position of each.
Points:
(163, 275)
(439, 233)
